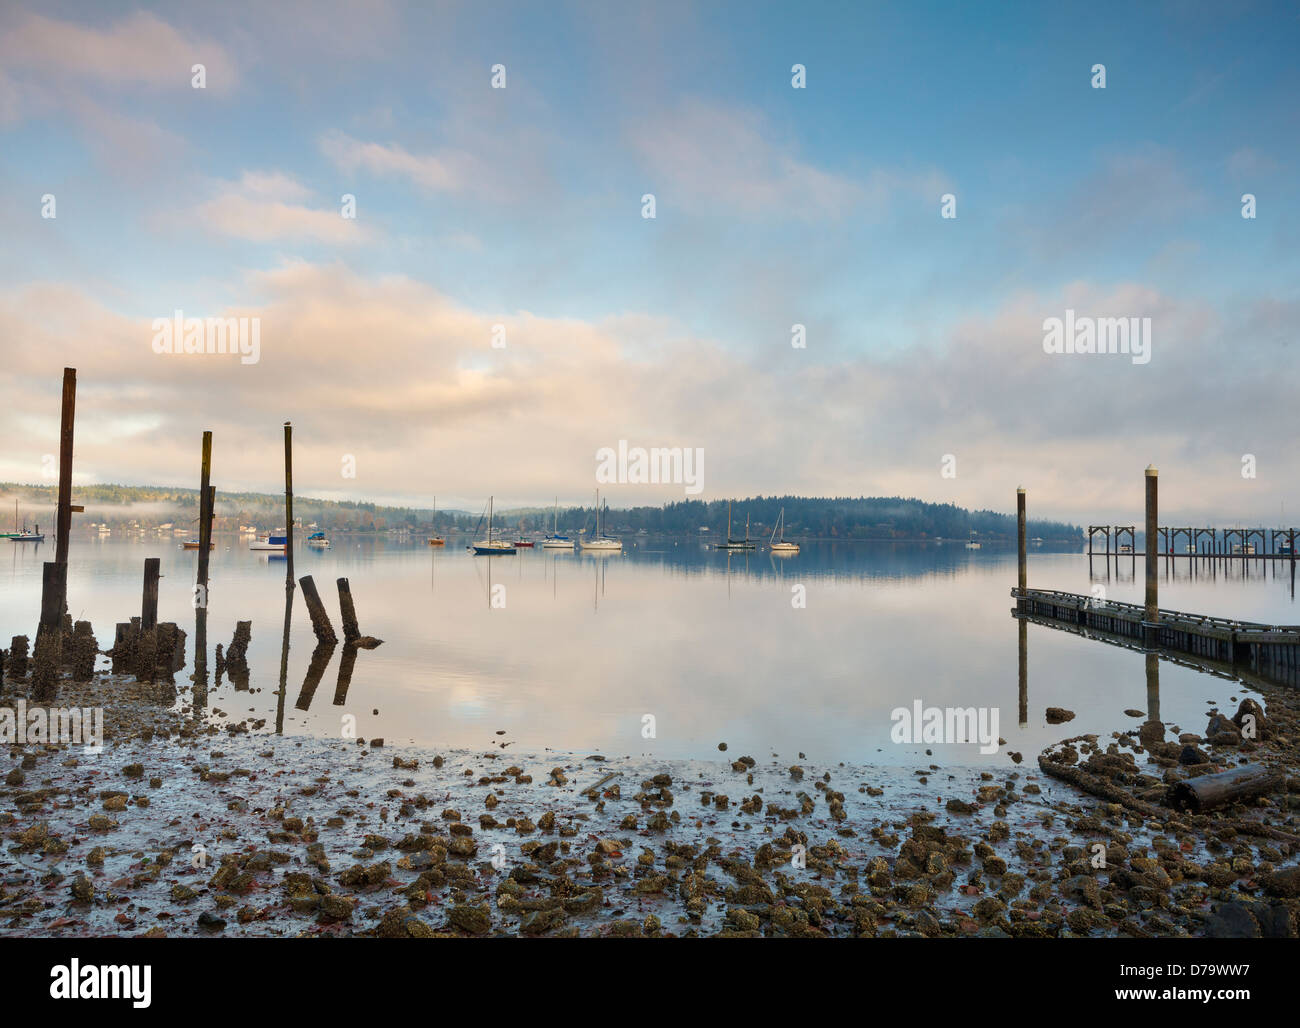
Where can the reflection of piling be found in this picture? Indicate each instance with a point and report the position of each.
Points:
(1151, 627)
(320, 659)
(1023, 626)
(1020, 543)
(1153, 687)
(320, 621)
(346, 663)
(348, 612)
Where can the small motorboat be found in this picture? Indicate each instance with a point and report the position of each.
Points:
(318, 541)
(524, 544)
(437, 540)
(28, 537)
(271, 542)
(194, 544)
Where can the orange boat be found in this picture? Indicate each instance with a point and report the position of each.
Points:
(193, 544)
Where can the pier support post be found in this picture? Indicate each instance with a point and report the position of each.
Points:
(205, 515)
(1150, 624)
(1020, 545)
(288, 504)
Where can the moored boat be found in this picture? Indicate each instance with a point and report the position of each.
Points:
(555, 541)
(318, 541)
(600, 541)
(271, 542)
(736, 544)
(777, 542)
(489, 546)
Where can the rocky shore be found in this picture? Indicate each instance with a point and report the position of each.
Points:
(184, 826)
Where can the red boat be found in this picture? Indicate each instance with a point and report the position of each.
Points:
(524, 544)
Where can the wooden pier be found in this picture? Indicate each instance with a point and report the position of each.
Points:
(1272, 651)
(1236, 543)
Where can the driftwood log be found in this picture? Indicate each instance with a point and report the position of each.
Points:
(1211, 791)
(1094, 785)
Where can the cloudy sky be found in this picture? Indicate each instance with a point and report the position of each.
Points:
(775, 206)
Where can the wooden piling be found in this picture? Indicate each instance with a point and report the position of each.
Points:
(1020, 537)
(288, 503)
(1153, 580)
(348, 612)
(64, 520)
(149, 601)
(205, 514)
(320, 622)
(48, 655)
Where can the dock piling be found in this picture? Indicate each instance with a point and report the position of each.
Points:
(1151, 624)
(1020, 538)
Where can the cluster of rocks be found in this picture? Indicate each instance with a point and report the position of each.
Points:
(183, 826)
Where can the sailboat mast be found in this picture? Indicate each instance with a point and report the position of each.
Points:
(728, 521)
(489, 535)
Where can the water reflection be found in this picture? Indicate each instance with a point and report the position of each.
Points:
(707, 641)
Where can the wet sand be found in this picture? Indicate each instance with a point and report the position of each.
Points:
(189, 826)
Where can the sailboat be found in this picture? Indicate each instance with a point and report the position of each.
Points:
(972, 543)
(600, 541)
(25, 536)
(490, 547)
(736, 544)
(555, 541)
(777, 542)
(436, 540)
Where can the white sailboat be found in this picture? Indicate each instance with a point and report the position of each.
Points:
(599, 541)
(777, 542)
(555, 541)
(490, 547)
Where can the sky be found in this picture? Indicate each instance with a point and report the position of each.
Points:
(500, 308)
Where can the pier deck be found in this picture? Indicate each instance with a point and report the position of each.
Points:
(1269, 650)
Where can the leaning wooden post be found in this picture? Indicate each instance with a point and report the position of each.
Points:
(149, 603)
(1151, 620)
(320, 621)
(288, 503)
(205, 515)
(1020, 543)
(351, 630)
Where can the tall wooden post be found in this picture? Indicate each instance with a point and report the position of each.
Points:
(1020, 538)
(64, 525)
(149, 600)
(1152, 614)
(205, 515)
(288, 502)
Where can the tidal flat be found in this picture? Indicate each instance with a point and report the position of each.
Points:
(196, 824)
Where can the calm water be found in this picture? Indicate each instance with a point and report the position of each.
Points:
(579, 649)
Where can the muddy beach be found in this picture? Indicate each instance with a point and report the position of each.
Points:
(211, 826)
